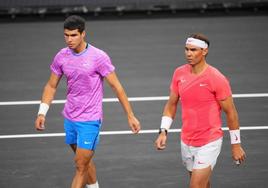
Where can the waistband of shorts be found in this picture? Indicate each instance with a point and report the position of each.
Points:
(89, 122)
(211, 142)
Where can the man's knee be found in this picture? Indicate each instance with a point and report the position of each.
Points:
(81, 166)
(82, 160)
(199, 184)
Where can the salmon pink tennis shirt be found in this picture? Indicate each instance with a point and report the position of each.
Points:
(199, 96)
(84, 73)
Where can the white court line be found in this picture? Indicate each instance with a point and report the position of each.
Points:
(115, 132)
(159, 98)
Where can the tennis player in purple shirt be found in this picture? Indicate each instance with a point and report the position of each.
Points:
(85, 67)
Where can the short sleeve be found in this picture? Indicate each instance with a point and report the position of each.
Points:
(55, 66)
(222, 87)
(104, 64)
(174, 85)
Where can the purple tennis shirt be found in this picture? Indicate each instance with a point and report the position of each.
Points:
(84, 73)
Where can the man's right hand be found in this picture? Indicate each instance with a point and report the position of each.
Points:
(40, 123)
(160, 142)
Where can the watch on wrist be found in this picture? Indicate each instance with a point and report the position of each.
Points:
(163, 130)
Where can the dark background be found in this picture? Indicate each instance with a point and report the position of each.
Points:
(146, 44)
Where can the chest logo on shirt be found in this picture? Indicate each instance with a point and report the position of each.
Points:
(86, 64)
(182, 80)
(203, 84)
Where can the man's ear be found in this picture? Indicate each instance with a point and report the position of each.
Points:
(205, 51)
(83, 34)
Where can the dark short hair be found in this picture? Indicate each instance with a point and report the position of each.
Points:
(200, 36)
(75, 22)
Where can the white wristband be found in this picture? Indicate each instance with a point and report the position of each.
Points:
(235, 136)
(166, 122)
(43, 108)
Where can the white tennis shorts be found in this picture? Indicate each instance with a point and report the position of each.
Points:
(200, 157)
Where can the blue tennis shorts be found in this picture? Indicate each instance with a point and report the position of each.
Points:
(84, 134)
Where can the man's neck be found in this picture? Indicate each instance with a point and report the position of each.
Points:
(199, 68)
(81, 47)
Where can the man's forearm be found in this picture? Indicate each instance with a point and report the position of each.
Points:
(123, 99)
(170, 110)
(48, 94)
(232, 120)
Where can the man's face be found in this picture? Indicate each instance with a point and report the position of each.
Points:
(194, 54)
(73, 38)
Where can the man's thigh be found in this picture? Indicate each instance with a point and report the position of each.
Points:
(200, 177)
(83, 156)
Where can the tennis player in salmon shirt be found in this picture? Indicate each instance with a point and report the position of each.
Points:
(203, 92)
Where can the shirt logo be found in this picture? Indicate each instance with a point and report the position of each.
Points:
(87, 142)
(86, 64)
(203, 85)
(183, 80)
(200, 162)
